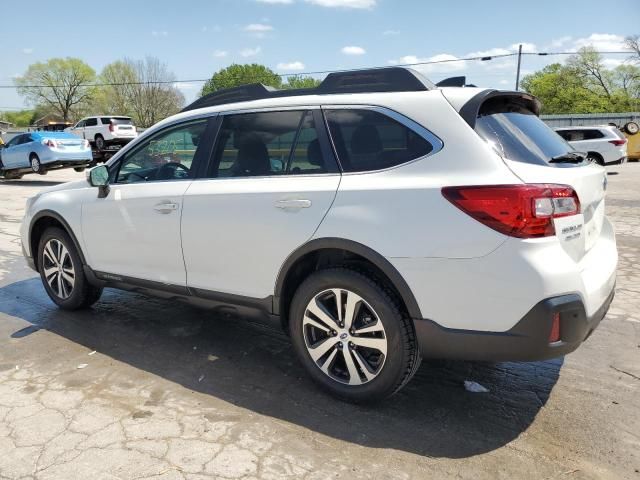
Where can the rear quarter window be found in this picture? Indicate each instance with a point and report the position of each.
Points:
(367, 140)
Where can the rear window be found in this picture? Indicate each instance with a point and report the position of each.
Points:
(518, 134)
(121, 121)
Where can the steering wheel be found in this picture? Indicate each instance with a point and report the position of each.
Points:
(169, 171)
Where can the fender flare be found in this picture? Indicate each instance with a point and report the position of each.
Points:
(56, 216)
(356, 248)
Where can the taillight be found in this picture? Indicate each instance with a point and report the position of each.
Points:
(522, 211)
(50, 143)
(554, 334)
(618, 143)
(111, 127)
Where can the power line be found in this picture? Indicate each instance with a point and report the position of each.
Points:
(324, 72)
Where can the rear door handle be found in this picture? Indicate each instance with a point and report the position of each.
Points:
(293, 203)
(165, 207)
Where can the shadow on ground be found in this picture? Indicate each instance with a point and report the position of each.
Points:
(29, 183)
(254, 368)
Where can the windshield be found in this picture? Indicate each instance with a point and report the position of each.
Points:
(518, 134)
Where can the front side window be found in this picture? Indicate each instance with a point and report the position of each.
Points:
(367, 140)
(91, 122)
(14, 141)
(267, 144)
(168, 155)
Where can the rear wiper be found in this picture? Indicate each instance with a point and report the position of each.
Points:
(569, 157)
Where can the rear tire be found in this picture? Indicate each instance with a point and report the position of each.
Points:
(595, 158)
(62, 272)
(358, 366)
(100, 144)
(79, 169)
(36, 166)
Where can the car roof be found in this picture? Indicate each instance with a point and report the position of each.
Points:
(42, 134)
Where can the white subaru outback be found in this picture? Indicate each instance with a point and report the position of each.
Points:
(377, 218)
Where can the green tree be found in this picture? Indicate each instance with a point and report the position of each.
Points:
(115, 96)
(561, 91)
(300, 81)
(21, 118)
(60, 84)
(236, 75)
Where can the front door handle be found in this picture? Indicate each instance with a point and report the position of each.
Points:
(293, 204)
(165, 207)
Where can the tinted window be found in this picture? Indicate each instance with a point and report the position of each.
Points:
(106, 120)
(579, 135)
(80, 124)
(167, 155)
(26, 139)
(369, 140)
(14, 141)
(121, 121)
(518, 134)
(91, 122)
(262, 144)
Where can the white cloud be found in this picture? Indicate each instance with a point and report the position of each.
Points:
(27, 51)
(600, 41)
(258, 28)
(215, 28)
(559, 42)
(344, 3)
(353, 50)
(391, 32)
(185, 86)
(448, 63)
(220, 53)
(250, 52)
(291, 66)
(160, 33)
(274, 2)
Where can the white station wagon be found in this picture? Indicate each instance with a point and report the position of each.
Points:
(377, 218)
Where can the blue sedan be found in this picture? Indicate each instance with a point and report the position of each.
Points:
(39, 152)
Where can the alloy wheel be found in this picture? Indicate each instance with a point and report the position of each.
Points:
(344, 336)
(58, 268)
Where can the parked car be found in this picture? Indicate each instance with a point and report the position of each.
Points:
(605, 145)
(398, 222)
(105, 130)
(632, 133)
(39, 152)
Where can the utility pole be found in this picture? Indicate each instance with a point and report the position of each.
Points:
(518, 71)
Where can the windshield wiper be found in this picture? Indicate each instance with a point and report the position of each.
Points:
(569, 157)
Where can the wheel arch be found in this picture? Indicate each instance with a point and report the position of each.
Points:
(596, 155)
(325, 252)
(43, 220)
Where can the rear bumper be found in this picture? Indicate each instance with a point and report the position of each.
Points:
(619, 161)
(528, 340)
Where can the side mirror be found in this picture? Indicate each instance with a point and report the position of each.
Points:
(99, 177)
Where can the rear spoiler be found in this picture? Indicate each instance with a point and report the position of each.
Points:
(470, 110)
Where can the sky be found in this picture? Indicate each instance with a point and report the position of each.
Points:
(197, 38)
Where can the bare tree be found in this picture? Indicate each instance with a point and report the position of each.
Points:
(59, 85)
(633, 43)
(155, 96)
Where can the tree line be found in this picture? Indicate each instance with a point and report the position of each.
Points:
(584, 84)
(142, 89)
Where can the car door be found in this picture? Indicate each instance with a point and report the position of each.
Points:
(134, 232)
(271, 180)
(9, 153)
(78, 129)
(90, 128)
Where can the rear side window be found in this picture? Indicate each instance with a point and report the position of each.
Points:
(267, 144)
(367, 140)
(105, 121)
(579, 135)
(518, 134)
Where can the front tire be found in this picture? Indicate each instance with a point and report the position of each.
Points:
(62, 273)
(352, 336)
(79, 169)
